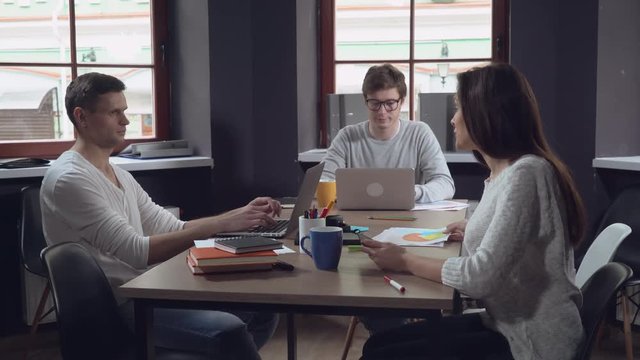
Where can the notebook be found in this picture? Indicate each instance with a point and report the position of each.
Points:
(241, 245)
(375, 189)
(209, 256)
(303, 202)
(212, 269)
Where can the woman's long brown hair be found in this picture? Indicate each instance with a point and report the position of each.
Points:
(502, 117)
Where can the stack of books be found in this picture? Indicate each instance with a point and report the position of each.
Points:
(236, 254)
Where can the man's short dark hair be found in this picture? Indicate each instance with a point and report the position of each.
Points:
(84, 91)
(383, 77)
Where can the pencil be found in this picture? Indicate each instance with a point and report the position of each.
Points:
(399, 218)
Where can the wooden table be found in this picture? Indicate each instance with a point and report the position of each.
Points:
(356, 288)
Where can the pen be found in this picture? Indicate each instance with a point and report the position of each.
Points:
(391, 217)
(326, 210)
(394, 283)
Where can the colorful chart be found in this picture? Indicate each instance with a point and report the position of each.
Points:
(422, 236)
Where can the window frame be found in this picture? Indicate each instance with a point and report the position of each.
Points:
(51, 148)
(499, 53)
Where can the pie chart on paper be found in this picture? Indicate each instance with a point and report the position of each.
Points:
(422, 236)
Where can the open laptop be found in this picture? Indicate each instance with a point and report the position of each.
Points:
(287, 226)
(375, 189)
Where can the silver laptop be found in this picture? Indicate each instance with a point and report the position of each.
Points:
(375, 189)
(284, 227)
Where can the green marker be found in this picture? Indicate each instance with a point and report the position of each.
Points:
(354, 248)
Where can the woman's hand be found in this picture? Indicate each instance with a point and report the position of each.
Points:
(387, 256)
(456, 230)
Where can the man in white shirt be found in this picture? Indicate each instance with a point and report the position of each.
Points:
(385, 141)
(86, 199)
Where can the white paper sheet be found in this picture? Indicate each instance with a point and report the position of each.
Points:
(443, 205)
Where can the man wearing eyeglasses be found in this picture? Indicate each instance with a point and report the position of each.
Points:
(385, 141)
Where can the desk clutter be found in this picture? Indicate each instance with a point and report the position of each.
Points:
(349, 232)
(314, 213)
(233, 254)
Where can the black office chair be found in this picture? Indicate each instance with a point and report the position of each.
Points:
(597, 293)
(625, 208)
(31, 244)
(88, 320)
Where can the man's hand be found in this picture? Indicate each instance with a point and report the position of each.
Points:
(456, 230)
(387, 256)
(274, 205)
(259, 212)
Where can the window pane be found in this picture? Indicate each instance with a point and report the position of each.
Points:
(455, 30)
(140, 99)
(440, 77)
(32, 104)
(435, 85)
(349, 79)
(113, 32)
(34, 31)
(372, 30)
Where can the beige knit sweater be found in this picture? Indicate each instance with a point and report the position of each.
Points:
(517, 259)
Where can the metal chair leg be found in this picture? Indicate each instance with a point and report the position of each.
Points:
(628, 341)
(349, 338)
(38, 316)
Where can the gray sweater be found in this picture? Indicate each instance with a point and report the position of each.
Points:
(518, 260)
(414, 146)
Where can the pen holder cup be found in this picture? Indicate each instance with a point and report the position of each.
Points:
(326, 246)
(304, 225)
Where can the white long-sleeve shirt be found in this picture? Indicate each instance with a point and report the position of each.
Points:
(518, 260)
(79, 203)
(414, 146)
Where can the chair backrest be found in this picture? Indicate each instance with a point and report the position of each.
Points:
(88, 319)
(31, 236)
(624, 209)
(601, 251)
(597, 293)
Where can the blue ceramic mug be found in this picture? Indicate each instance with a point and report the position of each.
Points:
(326, 246)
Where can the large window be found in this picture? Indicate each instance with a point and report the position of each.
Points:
(47, 43)
(429, 40)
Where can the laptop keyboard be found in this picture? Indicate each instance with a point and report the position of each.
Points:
(276, 228)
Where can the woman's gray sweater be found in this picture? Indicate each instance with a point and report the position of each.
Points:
(517, 259)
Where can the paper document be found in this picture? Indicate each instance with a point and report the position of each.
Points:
(205, 243)
(413, 236)
(443, 205)
(283, 250)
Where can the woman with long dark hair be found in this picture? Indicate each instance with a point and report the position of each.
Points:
(517, 253)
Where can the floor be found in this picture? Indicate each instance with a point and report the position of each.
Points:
(319, 338)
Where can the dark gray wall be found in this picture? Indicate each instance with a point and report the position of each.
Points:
(189, 66)
(253, 99)
(618, 95)
(307, 71)
(554, 43)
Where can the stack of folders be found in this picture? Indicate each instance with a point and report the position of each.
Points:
(212, 260)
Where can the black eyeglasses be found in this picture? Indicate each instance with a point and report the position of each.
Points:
(389, 105)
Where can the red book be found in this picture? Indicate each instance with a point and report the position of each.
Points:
(209, 269)
(212, 256)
